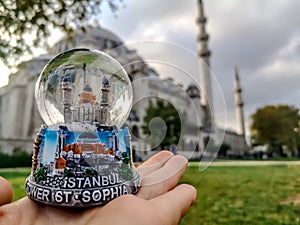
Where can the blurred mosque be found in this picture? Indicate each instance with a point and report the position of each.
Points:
(20, 120)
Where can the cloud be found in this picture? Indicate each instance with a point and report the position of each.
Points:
(260, 37)
(141, 20)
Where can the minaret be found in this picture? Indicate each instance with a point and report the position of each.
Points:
(66, 87)
(105, 101)
(239, 103)
(205, 74)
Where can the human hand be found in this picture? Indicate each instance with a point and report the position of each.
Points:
(158, 202)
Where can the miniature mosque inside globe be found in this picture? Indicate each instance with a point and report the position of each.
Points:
(82, 157)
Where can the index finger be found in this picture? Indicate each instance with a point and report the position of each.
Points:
(6, 191)
(174, 204)
(154, 163)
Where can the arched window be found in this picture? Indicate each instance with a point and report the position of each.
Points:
(135, 131)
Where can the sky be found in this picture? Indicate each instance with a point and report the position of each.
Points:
(260, 37)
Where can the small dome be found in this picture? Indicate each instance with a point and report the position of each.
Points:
(105, 82)
(193, 91)
(66, 79)
(88, 88)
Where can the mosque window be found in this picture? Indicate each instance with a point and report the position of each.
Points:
(135, 131)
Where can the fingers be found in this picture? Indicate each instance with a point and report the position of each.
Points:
(6, 191)
(154, 163)
(174, 204)
(163, 179)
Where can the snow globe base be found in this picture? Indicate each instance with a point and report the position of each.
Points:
(80, 192)
(84, 172)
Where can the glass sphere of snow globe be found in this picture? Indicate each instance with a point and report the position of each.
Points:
(84, 77)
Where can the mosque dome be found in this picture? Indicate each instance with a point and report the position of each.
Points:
(193, 91)
(96, 37)
(93, 37)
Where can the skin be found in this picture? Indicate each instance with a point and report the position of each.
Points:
(6, 191)
(159, 201)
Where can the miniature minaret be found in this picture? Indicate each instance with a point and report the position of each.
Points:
(205, 74)
(104, 105)
(66, 97)
(239, 103)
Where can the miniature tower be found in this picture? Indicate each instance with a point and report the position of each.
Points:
(205, 74)
(60, 162)
(66, 97)
(86, 101)
(104, 105)
(239, 103)
(84, 74)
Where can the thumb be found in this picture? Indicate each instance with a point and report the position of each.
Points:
(6, 191)
(174, 204)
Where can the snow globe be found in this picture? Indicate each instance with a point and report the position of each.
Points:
(82, 156)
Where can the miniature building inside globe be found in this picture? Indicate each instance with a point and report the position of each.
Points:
(88, 110)
(82, 158)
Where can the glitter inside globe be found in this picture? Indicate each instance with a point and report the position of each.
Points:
(82, 157)
(84, 87)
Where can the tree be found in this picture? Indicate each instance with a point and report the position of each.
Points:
(166, 112)
(224, 148)
(276, 126)
(40, 174)
(38, 18)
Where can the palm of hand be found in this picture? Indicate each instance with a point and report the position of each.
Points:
(157, 202)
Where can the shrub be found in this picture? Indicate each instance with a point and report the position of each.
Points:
(20, 159)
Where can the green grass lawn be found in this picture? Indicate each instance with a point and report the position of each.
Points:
(244, 195)
(228, 195)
